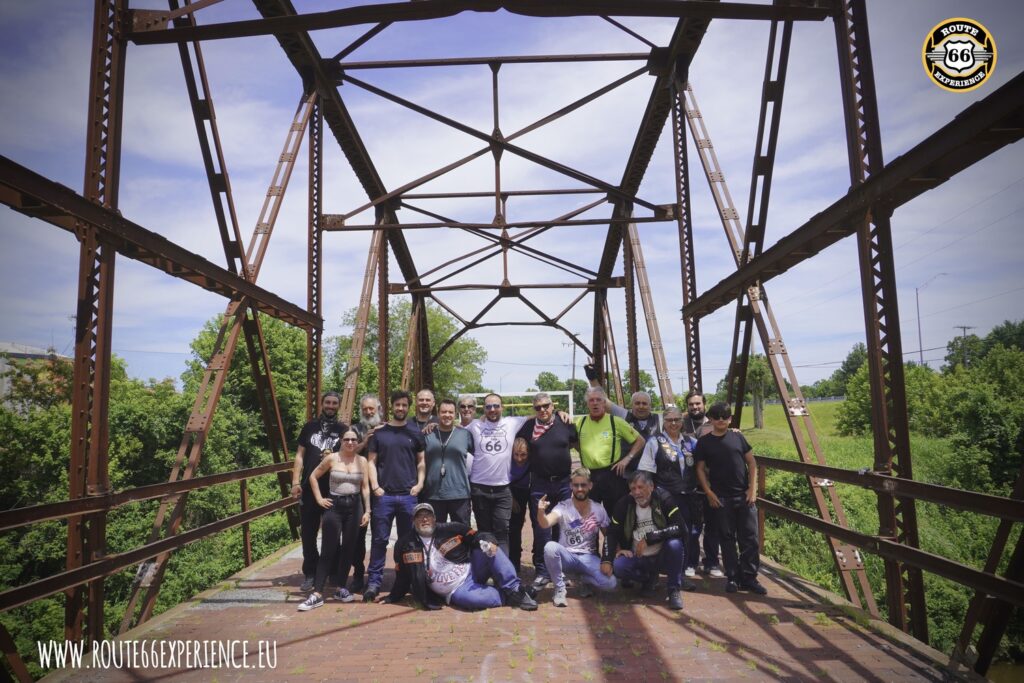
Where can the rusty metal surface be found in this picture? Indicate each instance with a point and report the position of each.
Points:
(315, 259)
(403, 11)
(978, 131)
(897, 518)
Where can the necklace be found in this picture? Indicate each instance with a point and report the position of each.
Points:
(444, 446)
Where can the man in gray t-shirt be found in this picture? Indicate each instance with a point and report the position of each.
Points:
(449, 455)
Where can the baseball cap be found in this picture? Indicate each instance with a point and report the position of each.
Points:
(421, 507)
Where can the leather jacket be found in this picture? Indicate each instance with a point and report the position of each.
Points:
(454, 541)
(664, 512)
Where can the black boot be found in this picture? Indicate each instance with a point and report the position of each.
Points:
(520, 598)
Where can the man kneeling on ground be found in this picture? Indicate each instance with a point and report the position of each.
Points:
(647, 537)
(451, 563)
(579, 520)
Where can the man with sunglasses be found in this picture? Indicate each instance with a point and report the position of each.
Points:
(668, 455)
(727, 472)
(319, 436)
(547, 441)
(467, 410)
(696, 424)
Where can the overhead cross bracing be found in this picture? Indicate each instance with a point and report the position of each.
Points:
(498, 208)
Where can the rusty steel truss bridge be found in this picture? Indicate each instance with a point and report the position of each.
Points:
(863, 213)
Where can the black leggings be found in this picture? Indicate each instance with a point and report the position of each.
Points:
(342, 521)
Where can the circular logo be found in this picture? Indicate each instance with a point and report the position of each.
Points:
(959, 54)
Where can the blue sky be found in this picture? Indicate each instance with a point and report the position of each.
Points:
(967, 230)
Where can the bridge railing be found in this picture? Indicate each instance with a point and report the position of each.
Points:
(994, 595)
(113, 563)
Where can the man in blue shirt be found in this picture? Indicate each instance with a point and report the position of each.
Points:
(397, 469)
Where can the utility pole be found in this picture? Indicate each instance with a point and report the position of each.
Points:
(917, 300)
(572, 382)
(963, 345)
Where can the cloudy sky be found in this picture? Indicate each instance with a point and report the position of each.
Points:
(962, 239)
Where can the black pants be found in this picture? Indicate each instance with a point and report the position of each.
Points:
(608, 487)
(336, 557)
(691, 507)
(359, 557)
(737, 525)
(521, 499)
(309, 526)
(457, 510)
(492, 507)
(711, 540)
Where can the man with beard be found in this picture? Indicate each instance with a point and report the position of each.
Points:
(696, 424)
(646, 538)
(548, 441)
(318, 437)
(424, 410)
(601, 436)
(493, 436)
(396, 458)
(727, 472)
(579, 520)
(669, 457)
(369, 419)
(449, 450)
(451, 563)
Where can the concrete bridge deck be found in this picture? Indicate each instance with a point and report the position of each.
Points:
(795, 633)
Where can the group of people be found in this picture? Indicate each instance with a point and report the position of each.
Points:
(651, 487)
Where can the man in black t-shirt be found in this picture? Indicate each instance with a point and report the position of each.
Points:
(697, 424)
(397, 469)
(318, 436)
(727, 472)
(548, 440)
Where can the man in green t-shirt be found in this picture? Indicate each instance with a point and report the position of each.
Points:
(601, 437)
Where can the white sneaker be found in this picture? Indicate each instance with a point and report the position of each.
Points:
(559, 598)
(311, 602)
(716, 573)
(690, 572)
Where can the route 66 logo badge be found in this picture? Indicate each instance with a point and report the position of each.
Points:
(959, 54)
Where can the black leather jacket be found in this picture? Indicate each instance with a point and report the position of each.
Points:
(455, 541)
(668, 521)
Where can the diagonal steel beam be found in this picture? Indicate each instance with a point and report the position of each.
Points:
(498, 142)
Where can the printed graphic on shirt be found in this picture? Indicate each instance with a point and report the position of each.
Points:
(445, 576)
(579, 534)
(325, 441)
(645, 523)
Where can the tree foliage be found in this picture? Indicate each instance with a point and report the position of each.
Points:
(457, 371)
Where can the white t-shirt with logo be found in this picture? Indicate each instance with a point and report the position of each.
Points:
(443, 576)
(645, 523)
(492, 456)
(579, 534)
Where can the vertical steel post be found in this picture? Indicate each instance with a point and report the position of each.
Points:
(315, 262)
(243, 487)
(691, 326)
(87, 472)
(383, 324)
(629, 273)
(897, 517)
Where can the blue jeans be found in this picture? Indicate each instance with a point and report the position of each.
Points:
(691, 507)
(641, 569)
(385, 509)
(560, 561)
(475, 593)
(556, 491)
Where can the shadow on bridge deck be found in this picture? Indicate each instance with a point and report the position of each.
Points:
(795, 633)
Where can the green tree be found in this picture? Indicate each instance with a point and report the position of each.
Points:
(925, 408)
(1009, 334)
(962, 349)
(457, 371)
(759, 377)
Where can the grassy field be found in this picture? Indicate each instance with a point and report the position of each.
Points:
(962, 537)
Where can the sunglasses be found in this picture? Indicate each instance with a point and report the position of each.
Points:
(467, 407)
(492, 406)
(727, 417)
(674, 419)
(350, 439)
(542, 406)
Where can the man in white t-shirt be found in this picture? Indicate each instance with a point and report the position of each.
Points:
(493, 436)
(580, 521)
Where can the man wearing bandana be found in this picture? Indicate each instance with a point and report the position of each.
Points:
(319, 436)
